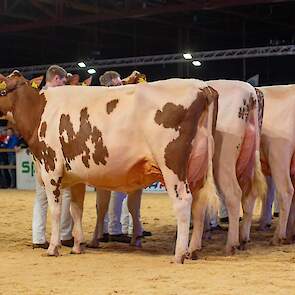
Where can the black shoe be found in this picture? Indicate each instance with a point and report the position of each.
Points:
(105, 238)
(41, 246)
(216, 227)
(224, 220)
(120, 238)
(68, 243)
(146, 233)
(276, 214)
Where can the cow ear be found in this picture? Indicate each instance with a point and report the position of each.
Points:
(2, 78)
(87, 82)
(36, 82)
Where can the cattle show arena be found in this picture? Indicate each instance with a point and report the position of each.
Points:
(118, 269)
(147, 147)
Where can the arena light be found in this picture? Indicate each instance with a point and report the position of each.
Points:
(187, 56)
(82, 64)
(196, 63)
(91, 71)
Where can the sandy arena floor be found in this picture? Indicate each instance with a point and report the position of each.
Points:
(118, 269)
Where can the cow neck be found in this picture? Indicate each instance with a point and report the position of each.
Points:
(28, 107)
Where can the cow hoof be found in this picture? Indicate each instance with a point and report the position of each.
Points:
(290, 239)
(278, 241)
(77, 251)
(231, 250)
(93, 244)
(53, 252)
(180, 259)
(137, 243)
(243, 245)
(193, 255)
(265, 227)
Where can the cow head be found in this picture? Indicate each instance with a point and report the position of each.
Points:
(8, 86)
(135, 78)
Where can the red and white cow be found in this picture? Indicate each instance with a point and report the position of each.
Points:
(236, 161)
(277, 153)
(236, 164)
(121, 138)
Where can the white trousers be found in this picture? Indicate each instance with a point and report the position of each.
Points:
(118, 220)
(114, 213)
(40, 215)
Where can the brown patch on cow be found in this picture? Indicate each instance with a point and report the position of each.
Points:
(56, 192)
(186, 122)
(76, 142)
(171, 116)
(246, 108)
(260, 100)
(43, 129)
(176, 192)
(111, 105)
(100, 152)
(214, 96)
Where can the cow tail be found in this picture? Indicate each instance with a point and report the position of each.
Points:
(259, 182)
(208, 191)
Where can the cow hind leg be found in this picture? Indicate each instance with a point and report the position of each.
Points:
(77, 201)
(291, 223)
(133, 202)
(102, 205)
(199, 205)
(280, 154)
(248, 203)
(225, 159)
(182, 200)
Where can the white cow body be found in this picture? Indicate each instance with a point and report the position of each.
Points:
(277, 152)
(236, 160)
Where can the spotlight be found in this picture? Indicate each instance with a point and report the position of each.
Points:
(196, 63)
(82, 64)
(91, 71)
(187, 56)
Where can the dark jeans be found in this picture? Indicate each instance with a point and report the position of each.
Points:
(4, 174)
(12, 172)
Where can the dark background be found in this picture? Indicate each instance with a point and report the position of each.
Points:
(36, 32)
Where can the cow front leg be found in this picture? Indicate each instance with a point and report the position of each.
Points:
(54, 198)
(133, 202)
(77, 201)
(102, 205)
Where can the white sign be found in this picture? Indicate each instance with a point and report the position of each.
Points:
(155, 188)
(25, 170)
